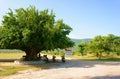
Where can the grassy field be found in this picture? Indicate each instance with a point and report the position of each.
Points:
(93, 58)
(11, 55)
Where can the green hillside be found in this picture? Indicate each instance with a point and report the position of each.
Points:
(77, 41)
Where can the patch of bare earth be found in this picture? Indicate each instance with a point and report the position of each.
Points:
(74, 69)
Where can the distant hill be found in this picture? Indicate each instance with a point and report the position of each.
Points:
(77, 41)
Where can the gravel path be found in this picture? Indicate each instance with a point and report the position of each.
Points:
(74, 69)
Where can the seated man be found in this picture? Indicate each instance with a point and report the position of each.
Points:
(45, 58)
(63, 59)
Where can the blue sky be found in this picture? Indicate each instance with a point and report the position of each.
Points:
(88, 18)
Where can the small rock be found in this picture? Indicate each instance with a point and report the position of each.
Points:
(17, 62)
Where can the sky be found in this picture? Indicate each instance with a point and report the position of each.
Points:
(88, 18)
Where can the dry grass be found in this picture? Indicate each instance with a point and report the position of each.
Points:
(11, 55)
(93, 58)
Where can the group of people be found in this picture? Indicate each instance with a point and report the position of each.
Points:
(45, 58)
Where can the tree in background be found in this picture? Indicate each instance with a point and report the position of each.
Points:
(33, 31)
(117, 45)
(113, 43)
(97, 45)
(82, 48)
(104, 44)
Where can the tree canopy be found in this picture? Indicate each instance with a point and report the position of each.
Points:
(32, 31)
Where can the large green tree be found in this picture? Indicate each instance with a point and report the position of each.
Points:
(33, 31)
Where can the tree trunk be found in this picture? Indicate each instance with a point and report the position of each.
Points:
(100, 55)
(97, 54)
(31, 54)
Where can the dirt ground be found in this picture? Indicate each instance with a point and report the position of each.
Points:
(74, 69)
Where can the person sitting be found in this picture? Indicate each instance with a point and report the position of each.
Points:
(53, 58)
(45, 58)
(63, 59)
